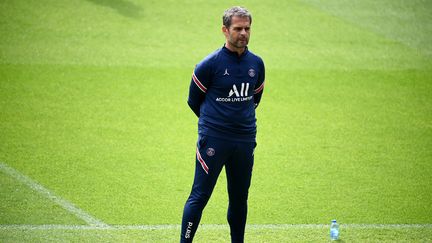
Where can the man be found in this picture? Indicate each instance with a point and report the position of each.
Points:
(225, 89)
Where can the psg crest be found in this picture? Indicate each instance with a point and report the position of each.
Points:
(210, 152)
(251, 73)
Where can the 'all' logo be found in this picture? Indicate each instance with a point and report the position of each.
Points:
(243, 91)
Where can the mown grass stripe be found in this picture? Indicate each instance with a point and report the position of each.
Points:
(70, 207)
(211, 227)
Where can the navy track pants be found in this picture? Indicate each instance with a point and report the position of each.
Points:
(211, 155)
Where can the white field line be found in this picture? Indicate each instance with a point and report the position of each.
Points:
(70, 207)
(212, 227)
(96, 224)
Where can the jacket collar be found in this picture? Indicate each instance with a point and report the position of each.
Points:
(233, 53)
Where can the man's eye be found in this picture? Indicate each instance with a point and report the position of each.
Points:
(240, 29)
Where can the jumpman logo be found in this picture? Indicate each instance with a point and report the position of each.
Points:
(226, 72)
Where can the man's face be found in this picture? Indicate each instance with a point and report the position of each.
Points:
(238, 33)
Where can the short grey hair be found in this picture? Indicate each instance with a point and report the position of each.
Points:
(235, 11)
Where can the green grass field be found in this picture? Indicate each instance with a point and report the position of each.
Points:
(97, 141)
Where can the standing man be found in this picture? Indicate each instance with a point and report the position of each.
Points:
(225, 90)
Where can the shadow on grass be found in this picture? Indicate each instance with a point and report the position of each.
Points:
(338, 241)
(123, 7)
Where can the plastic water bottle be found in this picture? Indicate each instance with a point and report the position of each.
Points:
(334, 230)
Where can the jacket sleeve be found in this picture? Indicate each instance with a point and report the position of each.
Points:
(198, 87)
(259, 87)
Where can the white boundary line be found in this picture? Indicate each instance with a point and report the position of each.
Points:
(96, 224)
(70, 207)
(212, 227)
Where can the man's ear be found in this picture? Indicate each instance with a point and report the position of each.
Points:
(225, 30)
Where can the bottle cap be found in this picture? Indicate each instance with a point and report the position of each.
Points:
(334, 221)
